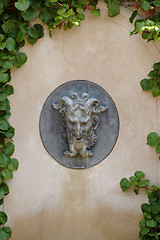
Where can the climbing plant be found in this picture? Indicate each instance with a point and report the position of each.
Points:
(17, 27)
(150, 225)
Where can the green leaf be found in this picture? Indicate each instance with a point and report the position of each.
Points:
(1, 195)
(134, 14)
(3, 55)
(2, 45)
(155, 91)
(153, 139)
(23, 27)
(142, 224)
(147, 84)
(96, 12)
(20, 37)
(156, 66)
(6, 114)
(81, 16)
(4, 187)
(151, 223)
(7, 231)
(139, 25)
(156, 3)
(7, 174)
(36, 31)
(8, 26)
(29, 15)
(10, 132)
(3, 160)
(45, 16)
(3, 107)
(113, 10)
(1, 179)
(143, 183)
(3, 96)
(22, 5)
(61, 11)
(144, 231)
(1, 7)
(80, 10)
(155, 208)
(1, 37)
(3, 235)
(145, 5)
(21, 58)
(158, 148)
(152, 74)
(1, 201)
(4, 125)
(139, 174)
(8, 89)
(9, 149)
(7, 64)
(13, 164)
(32, 40)
(4, 77)
(146, 208)
(10, 44)
(124, 183)
(3, 217)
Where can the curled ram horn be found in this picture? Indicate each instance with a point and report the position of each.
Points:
(84, 96)
(66, 101)
(74, 96)
(90, 102)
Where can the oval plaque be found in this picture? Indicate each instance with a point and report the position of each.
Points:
(79, 124)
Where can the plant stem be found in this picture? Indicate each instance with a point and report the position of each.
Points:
(59, 4)
(157, 190)
(70, 4)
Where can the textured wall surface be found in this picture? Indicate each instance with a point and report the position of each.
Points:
(50, 202)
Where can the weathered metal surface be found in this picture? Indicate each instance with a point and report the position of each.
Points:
(80, 153)
(80, 118)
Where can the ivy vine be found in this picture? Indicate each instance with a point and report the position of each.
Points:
(150, 225)
(16, 28)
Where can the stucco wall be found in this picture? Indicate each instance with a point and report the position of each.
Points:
(50, 202)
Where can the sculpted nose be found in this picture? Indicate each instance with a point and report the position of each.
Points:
(78, 130)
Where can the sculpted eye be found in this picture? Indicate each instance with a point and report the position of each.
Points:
(72, 122)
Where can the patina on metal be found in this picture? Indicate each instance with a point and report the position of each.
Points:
(80, 117)
(79, 124)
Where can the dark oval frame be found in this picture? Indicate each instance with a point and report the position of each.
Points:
(51, 128)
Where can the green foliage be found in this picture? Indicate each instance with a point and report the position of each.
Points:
(153, 83)
(22, 5)
(16, 28)
(3, 217)
(153, 139)
(150, 225)
(149, 29)
(136, 180)
(114, 9)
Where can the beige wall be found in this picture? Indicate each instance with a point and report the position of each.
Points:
(50, 202)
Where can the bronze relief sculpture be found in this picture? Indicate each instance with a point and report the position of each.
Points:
(80, 117)
(79, 124)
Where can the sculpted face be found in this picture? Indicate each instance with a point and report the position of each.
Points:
(78, 123)
(80, 118)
